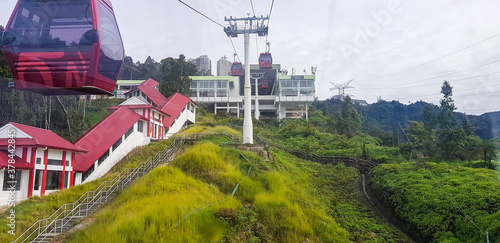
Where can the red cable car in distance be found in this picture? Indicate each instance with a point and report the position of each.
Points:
(64, 47)
(265, 61)
(237, 69)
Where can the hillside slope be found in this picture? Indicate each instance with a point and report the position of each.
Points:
(285, 200)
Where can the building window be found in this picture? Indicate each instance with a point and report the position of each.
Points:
(87, 173)
(66, 179)
(53, 180)
(38, 161)
(129, 132)
(140, 127)
(115, 146)
(10, 178)
(54, 162)
(103, 157)
(38, 179)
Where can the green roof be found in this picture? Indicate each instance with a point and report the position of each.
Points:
(212, 78)
(130, 81)
(313, 77)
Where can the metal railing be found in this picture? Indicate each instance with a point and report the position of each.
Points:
(361, 164)
(91, 200)
(194, 136)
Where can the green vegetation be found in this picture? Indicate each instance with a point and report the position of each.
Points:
(36, 208)
(337, 187)
(443, 202)
(276, 203)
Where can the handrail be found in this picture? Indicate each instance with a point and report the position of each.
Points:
(85, 205)
(304, 154)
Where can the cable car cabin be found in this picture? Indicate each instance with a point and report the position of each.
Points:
(64, 47)
(264, 84)
(237, 69)
(265, 61)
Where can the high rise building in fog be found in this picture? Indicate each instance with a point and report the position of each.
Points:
(224, 67)
(203, 64)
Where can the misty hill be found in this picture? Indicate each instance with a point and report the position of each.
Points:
(389, 115)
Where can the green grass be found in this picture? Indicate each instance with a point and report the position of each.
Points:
(150, 210)
(337, 187)
(36, 208)
(274, 204)
(435, 202)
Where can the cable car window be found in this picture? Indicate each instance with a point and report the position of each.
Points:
(111, 53)
(51, 26)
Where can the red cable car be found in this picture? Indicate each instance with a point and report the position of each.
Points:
(265, 61)
(264, 84)
(64, 47)
(237, 69)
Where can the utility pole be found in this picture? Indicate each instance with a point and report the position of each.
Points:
(252, 25)
(342, 88)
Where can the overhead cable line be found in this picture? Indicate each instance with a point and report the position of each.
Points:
(270, 12)
(436, 59)
(253, 10)
(217, 23)
(454, 72)
(201, 14)
(425, 85)
(234, 48)
(269, 20)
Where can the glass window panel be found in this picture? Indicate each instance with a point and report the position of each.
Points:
(111, 53)
(9, 179)
(52, 26)
(53, 181)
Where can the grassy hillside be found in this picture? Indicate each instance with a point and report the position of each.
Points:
(276, 203)
(36, 208)
(446, 203)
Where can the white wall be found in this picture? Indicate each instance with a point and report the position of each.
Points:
(186, 115)
(20, 195)
(133, 140)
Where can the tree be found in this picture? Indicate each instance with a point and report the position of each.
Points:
(450, 138)
(365, 141)
(349, 122)
(447, 119)
(422, 139)
(488, 150)
(175, 76)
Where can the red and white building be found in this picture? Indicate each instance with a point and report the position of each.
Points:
(45, 162)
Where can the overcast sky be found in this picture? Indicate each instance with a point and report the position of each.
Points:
(393, 49)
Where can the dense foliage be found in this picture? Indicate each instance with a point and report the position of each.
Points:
(443, 202)
(172, 73)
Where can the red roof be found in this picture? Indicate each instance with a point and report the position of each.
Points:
(173, 107)
(148, 88)
(42, 138)
(103, 135)
(132, 107)
(19, 164)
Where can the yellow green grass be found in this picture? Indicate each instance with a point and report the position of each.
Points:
(36, 208)
(210, 129)
(273, 204)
